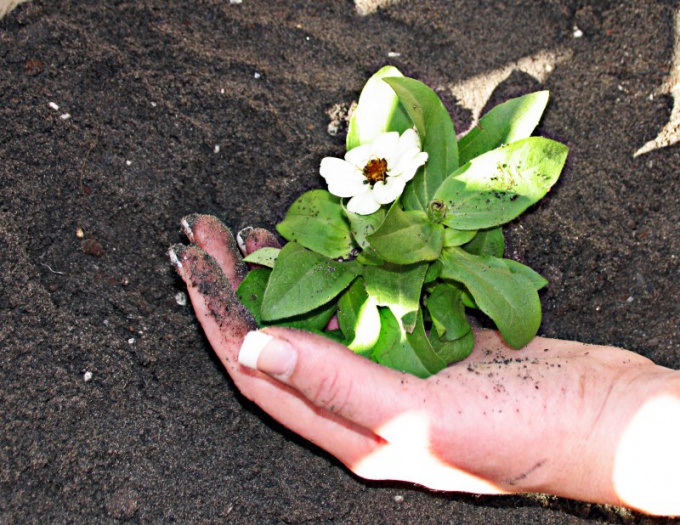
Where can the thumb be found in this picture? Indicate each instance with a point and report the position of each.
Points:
(331, 376)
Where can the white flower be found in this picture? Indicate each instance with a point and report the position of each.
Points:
(374, 174)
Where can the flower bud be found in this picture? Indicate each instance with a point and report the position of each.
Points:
(436, 211)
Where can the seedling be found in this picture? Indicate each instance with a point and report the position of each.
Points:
(408, 235)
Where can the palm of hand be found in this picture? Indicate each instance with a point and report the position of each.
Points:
(545, 419)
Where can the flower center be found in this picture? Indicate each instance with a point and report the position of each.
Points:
(375, 170)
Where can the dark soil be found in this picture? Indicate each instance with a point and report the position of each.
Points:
(213, 107)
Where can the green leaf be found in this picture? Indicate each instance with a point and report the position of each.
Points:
(312, 321)
(496, 187)
(437, 135)
(395, 349)
(433, 271)
(513, 120)
(361, 227)
(369, 258)
(359, 318)
(510, 299)
(422, 348)
(316, 221)
(487, 242)
(453, 351)
(397, 287)
(407, 237)
(251, 291)
(264, 257)
(302, 281)
(378, 111)
(447, 312)
(457, 237)
(517, 267)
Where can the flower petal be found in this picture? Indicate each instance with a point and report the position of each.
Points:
(343, 178)
(408, 140)
(408, 163)
(388, 191)
(359, 156)
(363, 204)
(384, 146)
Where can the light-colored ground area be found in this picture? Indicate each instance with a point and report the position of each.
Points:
(670, 134)
(7, 5)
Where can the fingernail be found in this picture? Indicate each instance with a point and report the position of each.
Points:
(187, 223)
(268, 354)
(174, 258)
(241, 237)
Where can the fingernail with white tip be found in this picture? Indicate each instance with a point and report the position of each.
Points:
(241, 237)
(186, 228)
(273, 356)
(174, 259)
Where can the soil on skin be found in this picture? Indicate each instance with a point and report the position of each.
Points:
(118, 118)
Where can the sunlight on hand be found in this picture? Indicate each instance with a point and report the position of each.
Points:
(647, 466)
(407, 456)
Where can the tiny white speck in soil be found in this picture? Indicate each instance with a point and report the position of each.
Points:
(131, 341)
(54, 106)
(181, 298)
(87, 376)
(398, 498)
(65, 116)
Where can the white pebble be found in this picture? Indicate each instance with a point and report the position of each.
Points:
(333, 129)
(87, 376)
(257, 75)
(393, 54)
(65, 116)
(131, 341)
(181, 298)
(128, 162)
(235, 1)
(217, 148)
(577, 32)
(630, 299)
(54, 106)
(398, 498)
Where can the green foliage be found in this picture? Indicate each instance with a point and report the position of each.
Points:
(301, 281)
(317, 222)
(513, 120)
(407, 228)
(401, 281)
(437, 135)
(263, 257)
(510, 299)
(496, 187)
(378, 111)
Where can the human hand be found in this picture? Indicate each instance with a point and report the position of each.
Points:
(588, 422)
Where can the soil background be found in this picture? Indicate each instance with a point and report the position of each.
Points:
(221, 107)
